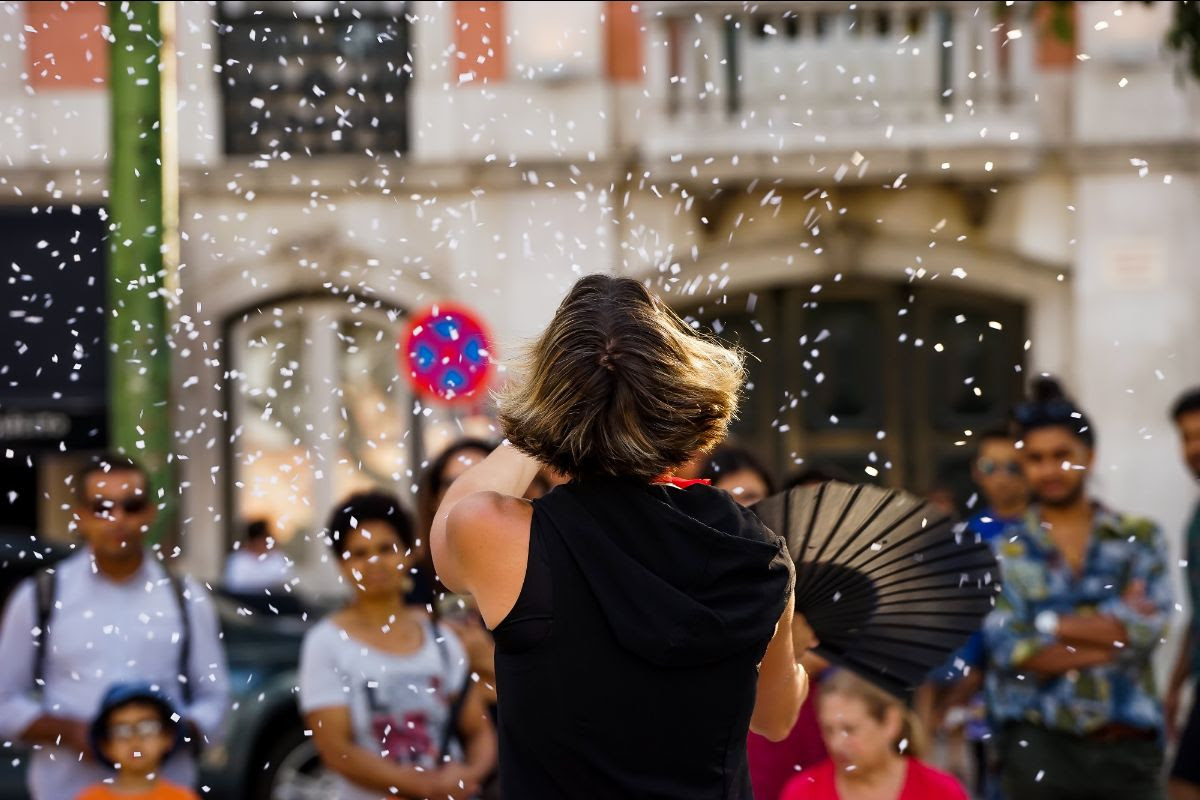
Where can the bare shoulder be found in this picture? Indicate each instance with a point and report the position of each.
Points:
(485, 525)
(484, 515)
(494, 503)
(488, 533)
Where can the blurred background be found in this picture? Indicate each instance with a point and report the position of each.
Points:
(901, 210)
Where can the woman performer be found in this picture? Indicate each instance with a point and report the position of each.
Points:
(641, 627)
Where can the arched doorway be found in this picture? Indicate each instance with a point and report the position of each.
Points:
(317, 410)
(887, 381)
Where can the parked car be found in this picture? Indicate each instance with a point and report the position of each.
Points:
(265, 754)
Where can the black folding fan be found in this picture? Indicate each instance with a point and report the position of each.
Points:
(887, 583)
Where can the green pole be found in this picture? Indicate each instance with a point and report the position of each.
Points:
(139, 362)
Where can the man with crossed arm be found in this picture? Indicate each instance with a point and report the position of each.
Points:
(1085, 601)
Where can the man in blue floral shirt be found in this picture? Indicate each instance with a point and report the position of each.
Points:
(1086, 599)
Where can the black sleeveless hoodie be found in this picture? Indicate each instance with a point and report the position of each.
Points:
(628, 667)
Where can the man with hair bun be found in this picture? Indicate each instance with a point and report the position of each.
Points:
(1085, 603)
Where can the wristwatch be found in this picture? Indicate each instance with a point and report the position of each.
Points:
(1046, 622)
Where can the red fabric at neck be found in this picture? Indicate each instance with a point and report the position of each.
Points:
(683, 483)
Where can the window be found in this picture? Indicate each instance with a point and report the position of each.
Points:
(314, 78)
(54, 391)
(319, 410)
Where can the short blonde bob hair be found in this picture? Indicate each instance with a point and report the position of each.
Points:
(619, 385)
(912, 740)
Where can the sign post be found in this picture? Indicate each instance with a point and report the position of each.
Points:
(446, 354)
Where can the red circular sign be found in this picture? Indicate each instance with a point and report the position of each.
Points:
(446, 353)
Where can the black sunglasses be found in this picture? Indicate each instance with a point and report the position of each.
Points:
(988, 466)
(130, 505)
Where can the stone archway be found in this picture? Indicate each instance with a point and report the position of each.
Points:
(317, 269)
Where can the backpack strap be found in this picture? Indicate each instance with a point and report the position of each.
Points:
(185, 634)
(450, 731)
(45, 586)
(45, 590)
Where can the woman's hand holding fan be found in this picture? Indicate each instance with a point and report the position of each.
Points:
(890, 586)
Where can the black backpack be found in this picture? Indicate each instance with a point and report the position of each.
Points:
(45, 589)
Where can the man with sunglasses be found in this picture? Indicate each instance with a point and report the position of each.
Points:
(957, 685)
(997, 473)
(1085, 601)
(110, 613)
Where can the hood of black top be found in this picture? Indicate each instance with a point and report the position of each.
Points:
(685, 577)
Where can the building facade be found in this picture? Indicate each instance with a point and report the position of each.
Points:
(900, 210)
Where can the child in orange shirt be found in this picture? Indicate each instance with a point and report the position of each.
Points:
(134, 732)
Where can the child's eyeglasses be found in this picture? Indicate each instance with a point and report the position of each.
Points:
(987, 466)
(130, 505)
(145, 728)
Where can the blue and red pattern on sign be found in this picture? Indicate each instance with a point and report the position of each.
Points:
(446, 353)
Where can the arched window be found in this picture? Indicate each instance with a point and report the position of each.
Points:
(318, 410)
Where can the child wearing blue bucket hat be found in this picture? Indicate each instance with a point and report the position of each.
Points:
(133, 733)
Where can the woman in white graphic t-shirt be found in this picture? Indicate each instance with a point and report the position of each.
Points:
(387, 692)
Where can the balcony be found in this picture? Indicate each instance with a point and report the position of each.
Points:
(791, 81)
(317, 78)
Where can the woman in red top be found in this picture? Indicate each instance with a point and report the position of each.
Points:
(874, 746)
